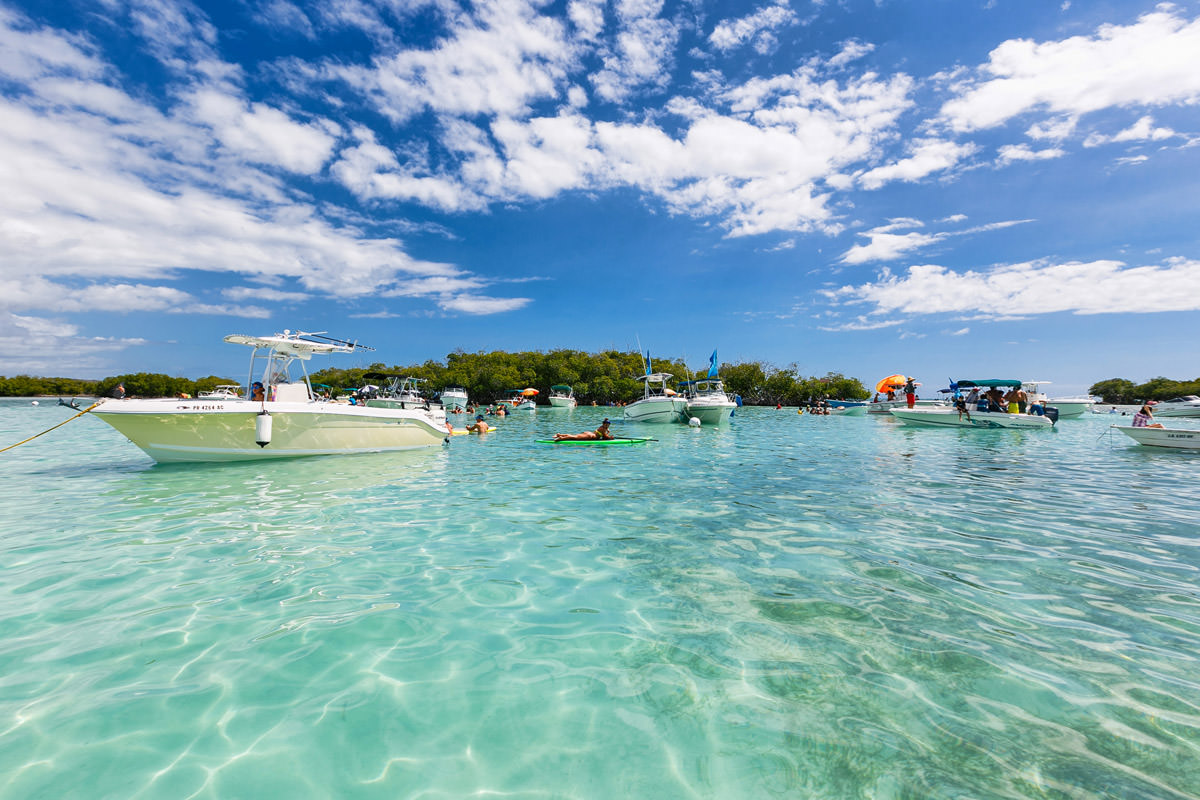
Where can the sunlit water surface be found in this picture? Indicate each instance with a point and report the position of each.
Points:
(787, 607)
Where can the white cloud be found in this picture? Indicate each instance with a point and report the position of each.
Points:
(928, 156)
(1151, 62)
(496, 63)
(852, 50)
(1098, 287)
(1053, 129)
(1023, 152)
(731, 33)
(476, 304)
(884, 244)
(641, 56)
(1142, 130)
(960, 332)
(43, 346)
(115, 195)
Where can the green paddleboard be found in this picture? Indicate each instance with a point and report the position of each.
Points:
(594, 441)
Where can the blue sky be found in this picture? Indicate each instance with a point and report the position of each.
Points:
(942, 188)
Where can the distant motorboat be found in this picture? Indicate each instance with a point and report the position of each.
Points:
(521, 400)
(562, 396)
(658, 403)
(1067, 406)
(1186, 406)
(454, 398)
(1176, 438)
(225, 391)
(707, 401)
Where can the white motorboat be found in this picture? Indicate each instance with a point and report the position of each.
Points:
(400, 391)
(707, 401)
(454, 398)
(283, 420)
(949, 417)
(659, 403)
(562, 396)
(1186, 406)
(521, 400)
(1177, 438)
(1067, 406)
(225, 391)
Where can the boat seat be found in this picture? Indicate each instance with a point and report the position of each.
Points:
(291, 393)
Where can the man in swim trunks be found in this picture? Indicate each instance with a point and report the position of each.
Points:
(601, 433)
(480, 425)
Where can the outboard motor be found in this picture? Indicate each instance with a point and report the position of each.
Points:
(1052, 413)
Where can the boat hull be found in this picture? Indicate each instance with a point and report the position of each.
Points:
(848, 411)
(454, 401)
(171, 431)
(1176, 438)
(562, 402)
(1164, 411)
(949, 418)
(1071, 408)
(656, 409)
(715, 413)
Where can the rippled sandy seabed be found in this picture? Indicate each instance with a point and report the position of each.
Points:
(789, 607)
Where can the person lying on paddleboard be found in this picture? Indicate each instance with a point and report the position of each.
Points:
(600, 433)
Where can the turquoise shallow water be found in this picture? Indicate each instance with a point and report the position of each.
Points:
(790, 607)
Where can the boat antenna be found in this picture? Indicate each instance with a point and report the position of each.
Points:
(353, 344)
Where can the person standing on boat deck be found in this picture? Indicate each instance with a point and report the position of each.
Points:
(1010, 401)
(601, 433)
(1022, 400)
(910, 393)
(1145, 418)
(994, 397)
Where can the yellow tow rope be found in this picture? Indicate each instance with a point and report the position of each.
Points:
(59, 425)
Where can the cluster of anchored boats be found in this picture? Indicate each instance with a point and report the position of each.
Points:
(283, 416)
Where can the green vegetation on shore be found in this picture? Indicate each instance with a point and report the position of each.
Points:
(1125, 392)
(605, 377)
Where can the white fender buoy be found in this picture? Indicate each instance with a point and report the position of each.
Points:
(262, 428)
(694, 422)
(34, 403)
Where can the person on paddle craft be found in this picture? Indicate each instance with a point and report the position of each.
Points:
(480, 425)
(600, 433)
(1145, 418)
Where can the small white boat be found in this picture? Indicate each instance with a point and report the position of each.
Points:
(521, 400)
(286, 421)
(226, 391)
(400, 391)
(454, 398)
(1178, 438)
(658, 403)
(707, 401)
(562, 396)
(1067, 406)
(1186, 406)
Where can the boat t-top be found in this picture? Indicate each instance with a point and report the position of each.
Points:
(280, 418)
(659, 403)
(707, 401)
(399, 391)
(562, 396)
(978, 415)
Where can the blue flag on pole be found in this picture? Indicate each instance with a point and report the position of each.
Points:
(648, 370)
(712, 365)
